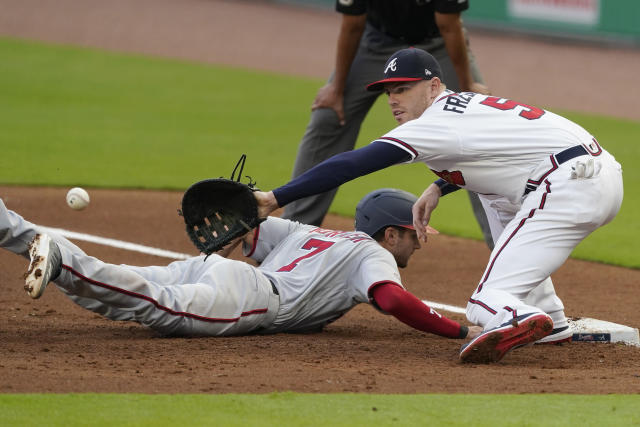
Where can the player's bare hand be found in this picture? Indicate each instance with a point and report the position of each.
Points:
(480, 88)
(474, 331)
(422, 209)
(267, 203)
(330, 97)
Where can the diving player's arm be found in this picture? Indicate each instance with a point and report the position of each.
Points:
(408, 309)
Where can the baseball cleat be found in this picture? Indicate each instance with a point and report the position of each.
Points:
(557, 336)
(46, 263)
(492, 345)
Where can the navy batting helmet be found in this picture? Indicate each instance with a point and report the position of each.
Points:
(384, 207)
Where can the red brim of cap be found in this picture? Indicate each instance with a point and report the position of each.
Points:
(410, 227)
(380, 83)
(430, 229)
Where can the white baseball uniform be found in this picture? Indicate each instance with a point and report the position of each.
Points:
(319, 275)
(499, 148)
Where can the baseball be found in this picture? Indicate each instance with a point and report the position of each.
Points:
(77, 198)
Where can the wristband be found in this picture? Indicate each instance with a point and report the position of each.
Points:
(464, 331)
(445, 187)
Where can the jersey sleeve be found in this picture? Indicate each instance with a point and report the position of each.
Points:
(402, 145)
(351, 7)
(267, 236)
(425, 139)
(376, 268)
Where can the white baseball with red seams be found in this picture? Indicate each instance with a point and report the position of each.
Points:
(78, 198)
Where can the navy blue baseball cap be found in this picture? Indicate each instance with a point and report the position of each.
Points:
(408, 65)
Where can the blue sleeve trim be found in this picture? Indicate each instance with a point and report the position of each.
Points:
(446, 187)
(339, 169)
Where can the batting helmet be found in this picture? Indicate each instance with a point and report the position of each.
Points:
(383, 207)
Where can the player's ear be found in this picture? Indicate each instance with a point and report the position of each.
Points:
(434, 85)
(391, 235)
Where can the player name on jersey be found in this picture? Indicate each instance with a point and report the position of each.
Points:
(458, 102)
(353, 236)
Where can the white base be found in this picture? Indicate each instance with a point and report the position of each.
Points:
(584, 329)
(594, 330)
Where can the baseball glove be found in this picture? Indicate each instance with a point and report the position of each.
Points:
(216, 211)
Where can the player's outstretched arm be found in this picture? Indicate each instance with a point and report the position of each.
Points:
(408, 309)
(422, 209)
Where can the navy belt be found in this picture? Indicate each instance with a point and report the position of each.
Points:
(570, 153)
(274, 289)
(561, 157)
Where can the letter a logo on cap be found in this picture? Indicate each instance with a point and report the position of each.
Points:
(392, 65)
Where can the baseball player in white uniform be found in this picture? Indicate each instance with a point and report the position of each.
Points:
(544, 181)
(307, 278)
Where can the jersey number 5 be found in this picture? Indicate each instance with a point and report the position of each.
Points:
(317, 244)
(528, 112)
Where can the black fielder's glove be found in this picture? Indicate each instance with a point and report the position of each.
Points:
(216, 211)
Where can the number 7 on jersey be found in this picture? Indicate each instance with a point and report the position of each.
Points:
(317, 244)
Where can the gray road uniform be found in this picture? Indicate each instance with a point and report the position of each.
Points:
(308, 277)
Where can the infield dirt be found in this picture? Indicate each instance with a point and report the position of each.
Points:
(52, 345)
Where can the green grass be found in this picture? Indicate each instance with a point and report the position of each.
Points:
(289, 409)
(72, 116)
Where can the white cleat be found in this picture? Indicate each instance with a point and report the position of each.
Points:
(557, 336)
(46, 263)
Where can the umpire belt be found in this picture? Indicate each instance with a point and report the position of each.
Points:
(556, 160)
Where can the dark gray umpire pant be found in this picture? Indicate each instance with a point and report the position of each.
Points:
(325, 137)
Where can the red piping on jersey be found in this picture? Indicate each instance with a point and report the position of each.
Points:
(531, 213)
(483, 305)
(554, 166)
(157, 304)
(255, 241)
(404, 144)
(596, 153)
(446, 96)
